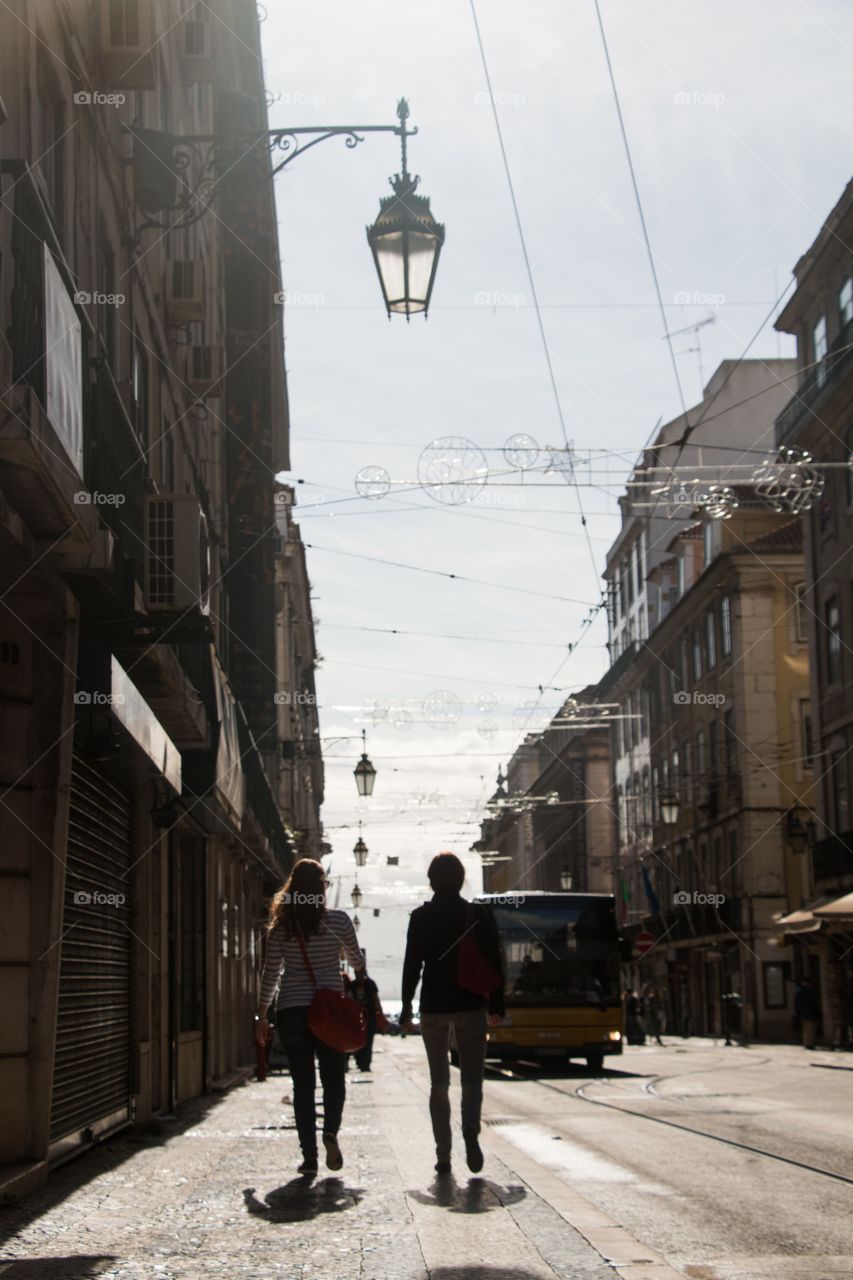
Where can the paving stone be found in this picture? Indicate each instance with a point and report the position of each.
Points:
(216, 1195)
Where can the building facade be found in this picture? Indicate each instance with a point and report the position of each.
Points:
(819, 421)
(553, 828)
(706, 850)
(143, 419)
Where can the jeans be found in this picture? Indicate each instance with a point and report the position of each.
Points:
(301, 1047)
(469, 1026)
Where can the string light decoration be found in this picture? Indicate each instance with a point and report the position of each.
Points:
(452, 470)
(789, 481)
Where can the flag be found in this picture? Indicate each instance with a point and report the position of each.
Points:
(650, 893)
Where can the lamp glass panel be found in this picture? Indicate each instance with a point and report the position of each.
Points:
(422, 251)
(389, 250)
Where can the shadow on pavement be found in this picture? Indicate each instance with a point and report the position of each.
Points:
(530, 1070)
(76, 1267)
(478, 1196)
(302, 1199)
(481, 1273)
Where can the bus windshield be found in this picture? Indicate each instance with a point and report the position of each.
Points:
(560, 951)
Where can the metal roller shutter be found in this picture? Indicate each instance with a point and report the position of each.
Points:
(91, 1082)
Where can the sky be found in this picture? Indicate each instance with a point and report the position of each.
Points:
(737, 118)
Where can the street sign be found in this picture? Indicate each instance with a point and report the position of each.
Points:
(644, 942)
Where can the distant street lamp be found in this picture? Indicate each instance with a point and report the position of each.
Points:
(356, 923)
(565, 879)
(405, 240)
(669, 807)
(357, 896)
(360, 849)
(365, 774)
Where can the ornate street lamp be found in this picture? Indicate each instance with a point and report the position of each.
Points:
(360, 849)
(365, 774)
(669, 807)
(405, 239)
(356, 923)
(357, 896)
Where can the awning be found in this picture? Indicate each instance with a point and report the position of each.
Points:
(803, 920)
(129, 706)
(230, 782)
(839, 909)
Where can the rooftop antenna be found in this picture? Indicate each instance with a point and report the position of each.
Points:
(694, 328)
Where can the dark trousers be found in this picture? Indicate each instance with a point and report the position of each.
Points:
(364, 1057)
(469, 1029)
(301, 1048)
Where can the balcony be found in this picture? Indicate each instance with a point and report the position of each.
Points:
(823, 379)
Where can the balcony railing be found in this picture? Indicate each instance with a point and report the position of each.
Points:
(834, 365)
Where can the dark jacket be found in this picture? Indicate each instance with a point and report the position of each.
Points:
(434, 930)
(806, 1004)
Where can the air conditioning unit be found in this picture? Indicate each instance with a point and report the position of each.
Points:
(196, 50)
(184, 290)
(204, 370)
(177, 554)
(127, 44)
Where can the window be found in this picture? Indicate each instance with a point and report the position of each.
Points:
(623, 591)
(730, 743)
(687, 757)
(717, 861)
(832, 621)
(819, 350)
(620, 814)
(700, 752)
(800, 608)
(656, 794)
(840, 794)
(726, 625)
(641, 556)
(107, 283)
(775, 984)
(697, 654)
(50, 129)
(629, 571)
(711, 639)
(685, 669)
(638, 575)
(806, 740)
(713, 746)
(139, 392)
(845, 302)
(708, 542)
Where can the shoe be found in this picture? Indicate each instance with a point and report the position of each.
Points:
(442, 1166)
(334, 1159)
(309, 1165)
(473, 1153)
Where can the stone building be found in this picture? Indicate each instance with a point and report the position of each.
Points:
(706, 849)
(819, 420)
(143, 419)
(553, 828)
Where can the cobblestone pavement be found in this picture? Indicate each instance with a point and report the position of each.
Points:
(216, 1194)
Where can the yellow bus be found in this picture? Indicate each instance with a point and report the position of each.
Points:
(561, 956)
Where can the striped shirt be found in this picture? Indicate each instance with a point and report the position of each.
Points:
(336, 934)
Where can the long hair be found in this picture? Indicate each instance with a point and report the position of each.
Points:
(300, 904)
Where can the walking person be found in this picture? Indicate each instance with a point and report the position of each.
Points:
(305, 939)
(442, 934)
(807, 1012)
(366, 992)
(653, 1011)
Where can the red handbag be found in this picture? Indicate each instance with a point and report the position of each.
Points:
(473, 971)
(335, 1018)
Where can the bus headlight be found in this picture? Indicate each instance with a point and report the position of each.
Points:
(614, 1035)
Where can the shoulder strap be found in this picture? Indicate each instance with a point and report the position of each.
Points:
(304, 949)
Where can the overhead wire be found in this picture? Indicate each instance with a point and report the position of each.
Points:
(529, 269)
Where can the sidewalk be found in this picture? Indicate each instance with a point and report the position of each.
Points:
(216, 1195)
